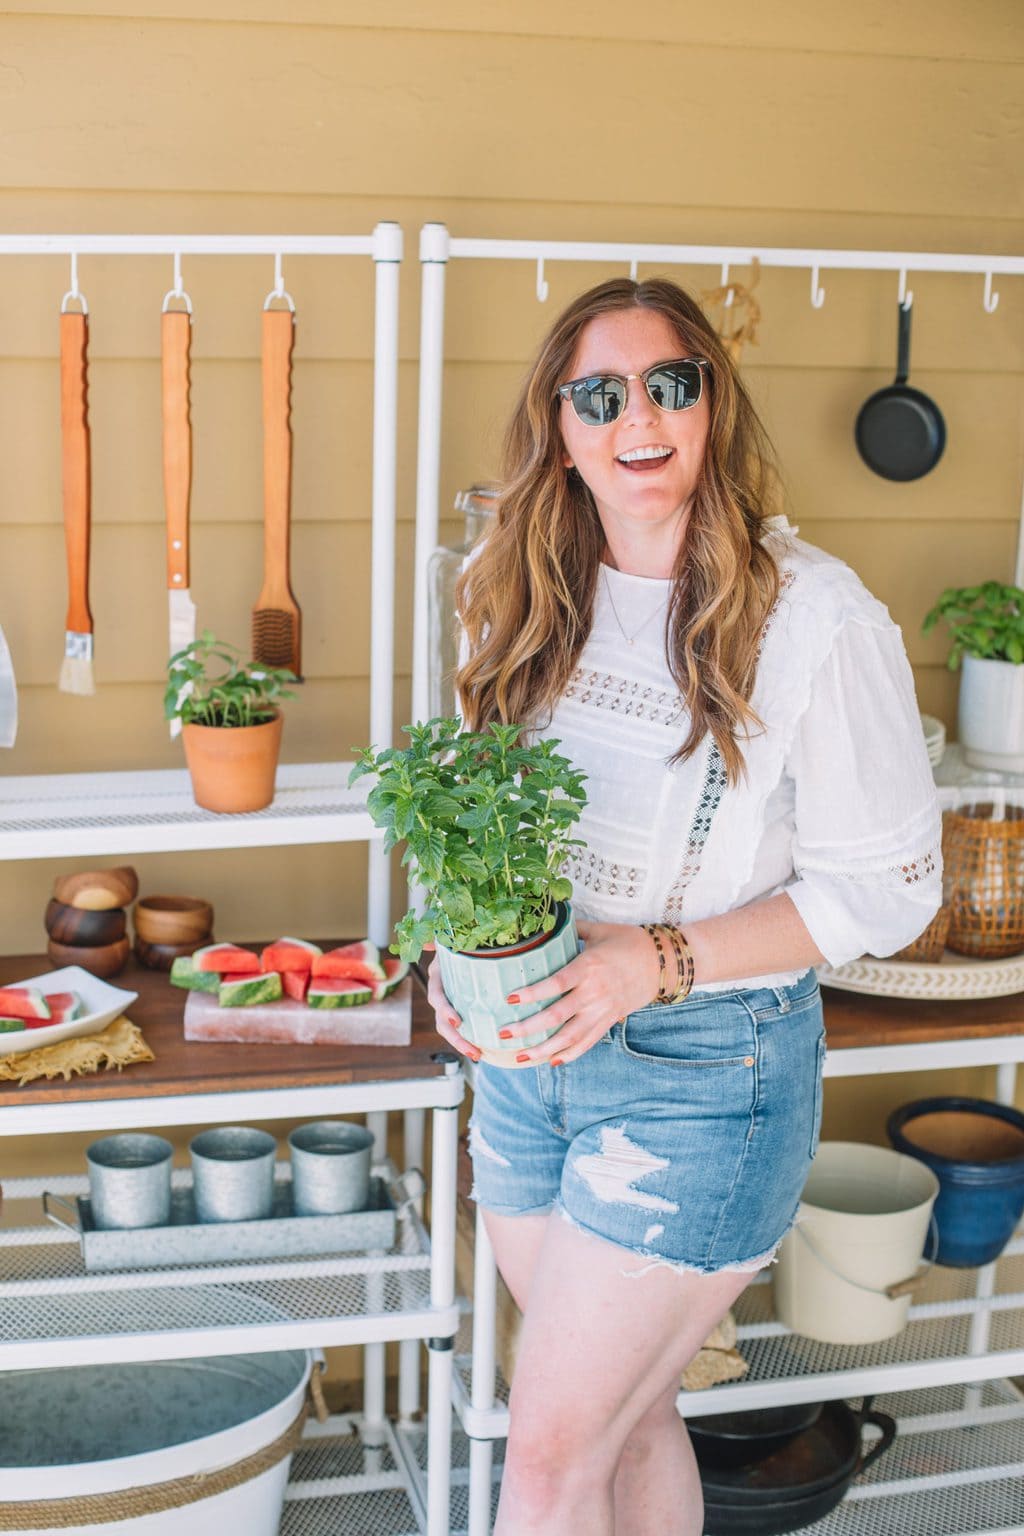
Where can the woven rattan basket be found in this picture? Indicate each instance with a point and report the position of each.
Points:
(983, 861)
(929, 945)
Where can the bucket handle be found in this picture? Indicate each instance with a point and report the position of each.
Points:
(897, 1288)
(58, 1220)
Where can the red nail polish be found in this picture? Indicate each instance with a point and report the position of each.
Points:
(473, 1055)
(557, 1061)
(513, 997)
(504, 1034)
(523, 1056)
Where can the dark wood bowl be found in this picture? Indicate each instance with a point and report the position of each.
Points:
(160, 957)
(102, 959)
(76, 925)
(98, 890)
(173, 920)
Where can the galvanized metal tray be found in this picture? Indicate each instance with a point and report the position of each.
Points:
(185, 1240)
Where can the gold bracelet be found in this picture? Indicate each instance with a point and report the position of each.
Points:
(652, 929)
(684, 965)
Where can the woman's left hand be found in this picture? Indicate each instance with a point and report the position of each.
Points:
(614, 975)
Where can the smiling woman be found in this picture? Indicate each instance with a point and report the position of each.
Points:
(744, 714)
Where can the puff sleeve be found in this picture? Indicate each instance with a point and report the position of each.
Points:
(867, 838)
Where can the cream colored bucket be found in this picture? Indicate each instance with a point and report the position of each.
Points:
(848, 1268)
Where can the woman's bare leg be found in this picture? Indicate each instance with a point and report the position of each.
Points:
(600, 1357)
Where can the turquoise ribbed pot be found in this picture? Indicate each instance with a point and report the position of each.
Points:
(477, 983)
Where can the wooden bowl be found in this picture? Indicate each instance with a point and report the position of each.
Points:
(98, 890)
(160, 957)
(102, 960)
(76, 925)
(172, 920)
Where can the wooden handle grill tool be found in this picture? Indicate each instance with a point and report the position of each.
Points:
(276, 620)
(175, 340)
(76, 672)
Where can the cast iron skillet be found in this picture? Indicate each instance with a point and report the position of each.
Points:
(735, 1439)
(900, 431)
(798, 1484)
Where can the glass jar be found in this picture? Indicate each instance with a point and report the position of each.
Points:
(477, 507)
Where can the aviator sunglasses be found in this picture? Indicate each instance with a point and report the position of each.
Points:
(601, 397)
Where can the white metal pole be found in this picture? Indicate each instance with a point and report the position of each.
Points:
(387, 258)
(444, 1163)
(414, 1126)
(485, 1277)
(434, 243)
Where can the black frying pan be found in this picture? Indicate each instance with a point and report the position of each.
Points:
(900, 431)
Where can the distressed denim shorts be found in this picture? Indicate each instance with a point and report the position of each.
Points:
(684, 1134)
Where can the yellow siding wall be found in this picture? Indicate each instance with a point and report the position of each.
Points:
(795, 123)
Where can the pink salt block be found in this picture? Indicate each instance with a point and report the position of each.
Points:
(288, 1022)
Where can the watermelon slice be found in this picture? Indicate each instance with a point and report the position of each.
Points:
(351, 962)
(23, 1003)
(11, 1026)
(256, 987)
(394, 972)
(184, 974)
(289, 955)
(226, 960)
(64, 1006)
(337, 992)
(295, 984)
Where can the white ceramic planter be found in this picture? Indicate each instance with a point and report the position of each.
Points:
(477, 984)
(991, 714)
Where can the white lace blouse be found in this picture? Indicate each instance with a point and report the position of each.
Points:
(838, 807)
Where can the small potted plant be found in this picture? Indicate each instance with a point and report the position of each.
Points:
(987, 626)
(230, 722)
(487, 825)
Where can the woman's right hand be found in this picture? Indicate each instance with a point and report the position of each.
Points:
(446, 1020)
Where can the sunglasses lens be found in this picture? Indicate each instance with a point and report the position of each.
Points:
(675, 387)
(598, 401)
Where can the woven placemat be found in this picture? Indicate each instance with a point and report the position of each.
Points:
(119, 1045)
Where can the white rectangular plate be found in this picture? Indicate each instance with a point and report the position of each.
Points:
(102, 1003)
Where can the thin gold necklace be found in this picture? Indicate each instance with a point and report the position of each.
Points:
(653, 615)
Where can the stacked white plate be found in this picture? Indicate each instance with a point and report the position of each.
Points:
(934, 738)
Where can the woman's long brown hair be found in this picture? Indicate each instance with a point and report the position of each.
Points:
(526, 600)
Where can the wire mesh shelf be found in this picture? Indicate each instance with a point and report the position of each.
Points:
(52, 1311)
(151, 811)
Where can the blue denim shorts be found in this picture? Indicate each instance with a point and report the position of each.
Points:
(684, 1134)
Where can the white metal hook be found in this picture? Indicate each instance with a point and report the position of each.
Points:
(991, 300)
(817, 291)
(725, 284)
(279, 291)
(73, 291)
(906, 294)
(542, 287)
(177, 292)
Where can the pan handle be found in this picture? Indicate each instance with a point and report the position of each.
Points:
(882, 1421)
(58, 1220)
(903, 345)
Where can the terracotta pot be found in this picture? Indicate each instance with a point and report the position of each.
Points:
(233, 767)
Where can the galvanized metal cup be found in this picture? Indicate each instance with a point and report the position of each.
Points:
(233, 1173)
(130, 1180)
(330, 1167)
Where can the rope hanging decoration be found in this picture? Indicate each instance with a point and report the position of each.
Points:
(741, 312)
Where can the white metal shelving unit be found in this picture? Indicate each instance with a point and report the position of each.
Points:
(54, 1313)
(973, 1330)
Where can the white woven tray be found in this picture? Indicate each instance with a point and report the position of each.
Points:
(954, 978)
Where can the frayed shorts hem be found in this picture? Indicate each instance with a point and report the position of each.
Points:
(655, 1260)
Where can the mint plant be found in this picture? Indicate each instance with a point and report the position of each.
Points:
(486, 822)
(242, 693)
(985, 621)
